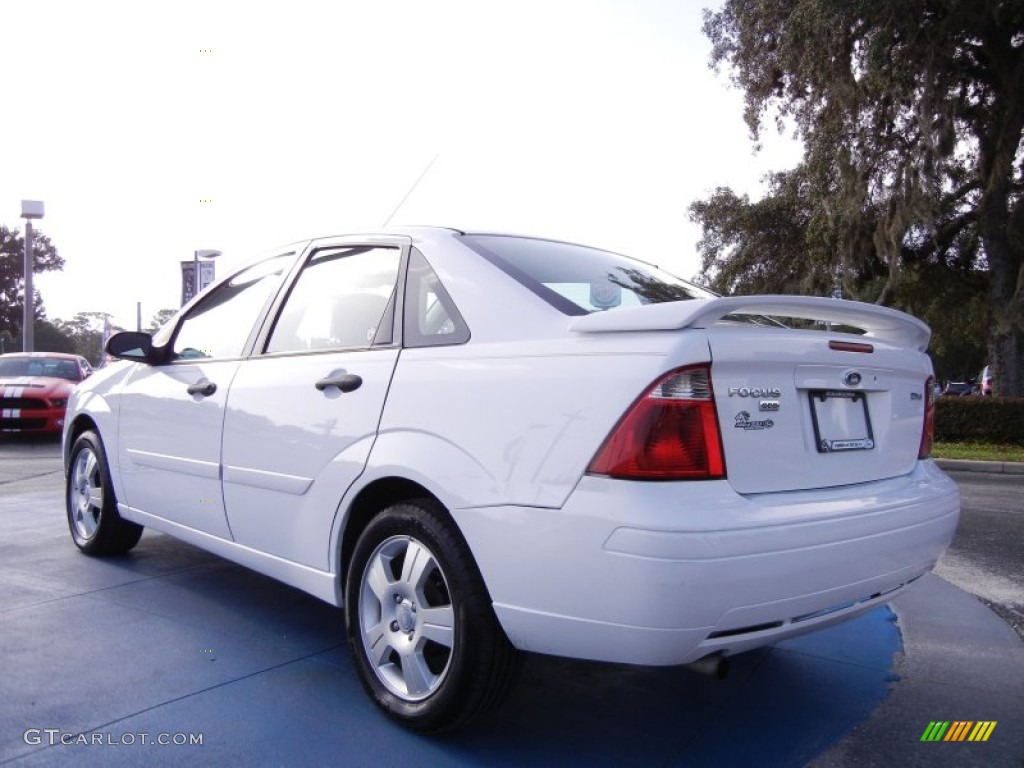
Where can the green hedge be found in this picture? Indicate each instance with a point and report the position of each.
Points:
(980, 419)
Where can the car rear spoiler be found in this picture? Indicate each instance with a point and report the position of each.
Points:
(882, 323)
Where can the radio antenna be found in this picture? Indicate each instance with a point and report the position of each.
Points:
(414, 185)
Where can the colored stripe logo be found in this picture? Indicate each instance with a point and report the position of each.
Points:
(958, 730)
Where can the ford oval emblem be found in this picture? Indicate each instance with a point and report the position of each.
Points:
(851, 378)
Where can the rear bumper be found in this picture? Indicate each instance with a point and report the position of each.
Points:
(665, 573)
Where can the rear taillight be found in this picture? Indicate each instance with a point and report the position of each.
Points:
(670, 433)
(928, 430)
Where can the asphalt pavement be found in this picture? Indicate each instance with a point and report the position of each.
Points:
(986, 556)
(171, 644)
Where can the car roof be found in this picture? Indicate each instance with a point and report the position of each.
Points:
(431, 232)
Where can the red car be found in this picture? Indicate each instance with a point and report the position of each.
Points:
(35, 387)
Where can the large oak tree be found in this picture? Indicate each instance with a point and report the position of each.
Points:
(911, 114)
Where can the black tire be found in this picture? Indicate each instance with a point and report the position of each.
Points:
(448, 685)
(96, 527)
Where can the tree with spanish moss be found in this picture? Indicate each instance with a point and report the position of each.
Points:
(912, 181)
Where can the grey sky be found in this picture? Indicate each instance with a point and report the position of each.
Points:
(592, 120)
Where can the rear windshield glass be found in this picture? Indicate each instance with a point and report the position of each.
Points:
(578, 280)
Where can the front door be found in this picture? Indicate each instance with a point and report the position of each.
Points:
(171, 423)
(172, 415)
(302, 415)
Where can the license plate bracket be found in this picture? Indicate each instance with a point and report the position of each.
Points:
(841, 420)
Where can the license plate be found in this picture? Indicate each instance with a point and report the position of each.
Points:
(841, 421)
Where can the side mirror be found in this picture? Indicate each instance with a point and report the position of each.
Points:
(131, 345)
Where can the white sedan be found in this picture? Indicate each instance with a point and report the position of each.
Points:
(480, 444)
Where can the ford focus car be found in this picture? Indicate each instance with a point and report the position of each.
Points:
(480, 444)
(35, 387)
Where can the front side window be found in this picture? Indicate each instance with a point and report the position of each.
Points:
(578, 280)
(342, 299)
(220, 324)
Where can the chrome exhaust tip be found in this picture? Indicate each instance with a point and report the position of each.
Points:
(715, 665)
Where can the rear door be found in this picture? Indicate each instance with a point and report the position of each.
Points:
(303, 411)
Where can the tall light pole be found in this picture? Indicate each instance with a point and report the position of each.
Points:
(30, 209)
(196, 256)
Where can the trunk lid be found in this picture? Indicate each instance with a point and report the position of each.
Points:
(796, 414)
(801, 409)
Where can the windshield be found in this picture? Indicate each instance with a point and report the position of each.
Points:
(578, 280)
(58, 368)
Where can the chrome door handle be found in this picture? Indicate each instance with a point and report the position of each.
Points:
(203, 388)
(345, 382)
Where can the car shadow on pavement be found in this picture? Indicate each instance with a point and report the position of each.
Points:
(169, 638)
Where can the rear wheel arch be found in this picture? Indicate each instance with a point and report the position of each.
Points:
(370, 502)
(426, 644)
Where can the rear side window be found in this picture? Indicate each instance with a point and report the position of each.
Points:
(431, 317)
(578, 280)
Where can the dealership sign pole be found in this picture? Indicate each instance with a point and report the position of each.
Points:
(196, 275)
(30, 209)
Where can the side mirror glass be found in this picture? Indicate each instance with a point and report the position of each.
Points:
(131, 345)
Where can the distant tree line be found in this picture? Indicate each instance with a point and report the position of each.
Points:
(81, 335)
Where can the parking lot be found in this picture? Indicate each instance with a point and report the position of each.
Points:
(134, 660)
